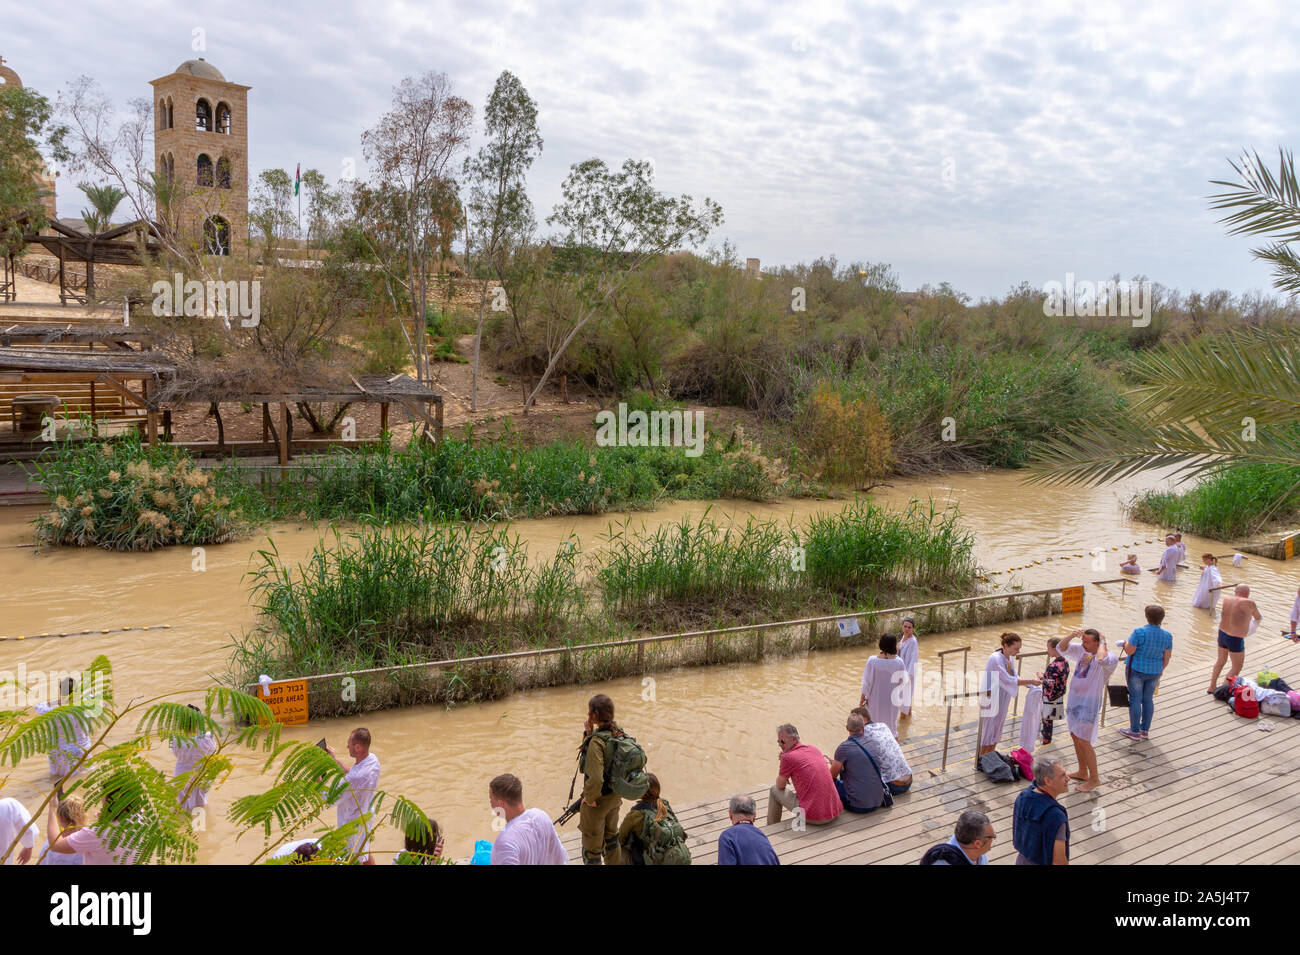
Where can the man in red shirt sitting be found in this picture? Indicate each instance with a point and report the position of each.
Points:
(814, 791)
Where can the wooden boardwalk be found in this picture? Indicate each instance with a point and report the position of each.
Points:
(1209, 787)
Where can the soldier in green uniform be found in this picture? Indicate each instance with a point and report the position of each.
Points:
(598, 818)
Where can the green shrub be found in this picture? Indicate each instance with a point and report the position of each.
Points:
(124, 495)
(1236, 502)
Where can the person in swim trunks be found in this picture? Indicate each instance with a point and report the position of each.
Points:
(1234, 623)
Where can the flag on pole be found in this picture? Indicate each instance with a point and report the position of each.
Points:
(297, 178)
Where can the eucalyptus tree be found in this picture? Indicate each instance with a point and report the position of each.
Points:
(611, 224)
(411, 152)
(500, 212)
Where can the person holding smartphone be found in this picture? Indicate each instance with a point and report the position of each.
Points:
(363, 781)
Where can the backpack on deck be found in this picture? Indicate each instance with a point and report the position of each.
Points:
(1244, 702)
(1025, 762)
(664, 839)
(1274, 703)
(625, 767)
(1223, 693)
(1265, 677)
(995, 768)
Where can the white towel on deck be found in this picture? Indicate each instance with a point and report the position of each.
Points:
(1032, 718)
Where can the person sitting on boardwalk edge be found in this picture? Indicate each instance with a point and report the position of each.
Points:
(744, 843)
(814, 792)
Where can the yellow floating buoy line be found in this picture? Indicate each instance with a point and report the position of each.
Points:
(1037, 563)
(85, 633)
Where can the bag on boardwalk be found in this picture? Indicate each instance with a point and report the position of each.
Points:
(1279, 684)
(1294, 697)
(1118, 692)
(992, 766)
(1275, 703)
(1011, 765)
(1244, 702)
(1224, 693)
(1265, 677)
(1025, 762)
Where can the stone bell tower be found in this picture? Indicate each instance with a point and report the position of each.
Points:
(201, 146)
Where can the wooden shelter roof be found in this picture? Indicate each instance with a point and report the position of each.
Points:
(399, 388)
(50, 334)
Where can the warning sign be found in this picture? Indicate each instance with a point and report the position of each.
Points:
(287, 700)
(1071, 599)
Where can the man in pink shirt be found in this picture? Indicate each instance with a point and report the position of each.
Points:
(814, 791)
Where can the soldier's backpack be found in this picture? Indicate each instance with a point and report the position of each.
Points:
(625, 766)
(664, 839)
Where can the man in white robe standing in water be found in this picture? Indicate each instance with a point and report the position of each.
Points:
(362, 780)
(1093, 665)
(1234, 626)
(1168, 569)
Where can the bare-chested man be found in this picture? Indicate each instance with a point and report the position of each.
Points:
(1234, 623)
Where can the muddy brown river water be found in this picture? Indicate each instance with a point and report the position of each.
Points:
(707, 731)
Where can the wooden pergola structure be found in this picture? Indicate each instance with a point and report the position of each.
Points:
(152, 384)
(120, 245)
(384, 390)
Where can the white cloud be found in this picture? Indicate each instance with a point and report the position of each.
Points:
(1082, 138)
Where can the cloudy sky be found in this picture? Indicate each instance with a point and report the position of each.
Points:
(977, 143)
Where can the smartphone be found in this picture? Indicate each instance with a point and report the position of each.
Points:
(321, 742)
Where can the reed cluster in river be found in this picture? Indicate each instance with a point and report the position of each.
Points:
(405, 594)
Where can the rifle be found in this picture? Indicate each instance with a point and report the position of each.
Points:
(577, 805)
(570, 812)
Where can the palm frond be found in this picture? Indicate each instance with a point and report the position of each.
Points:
(1286, 266)
(1215, 382)
(1108, 452)
(1263, 203)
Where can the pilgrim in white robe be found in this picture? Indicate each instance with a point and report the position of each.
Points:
(1206, 598)
(1001, 682)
